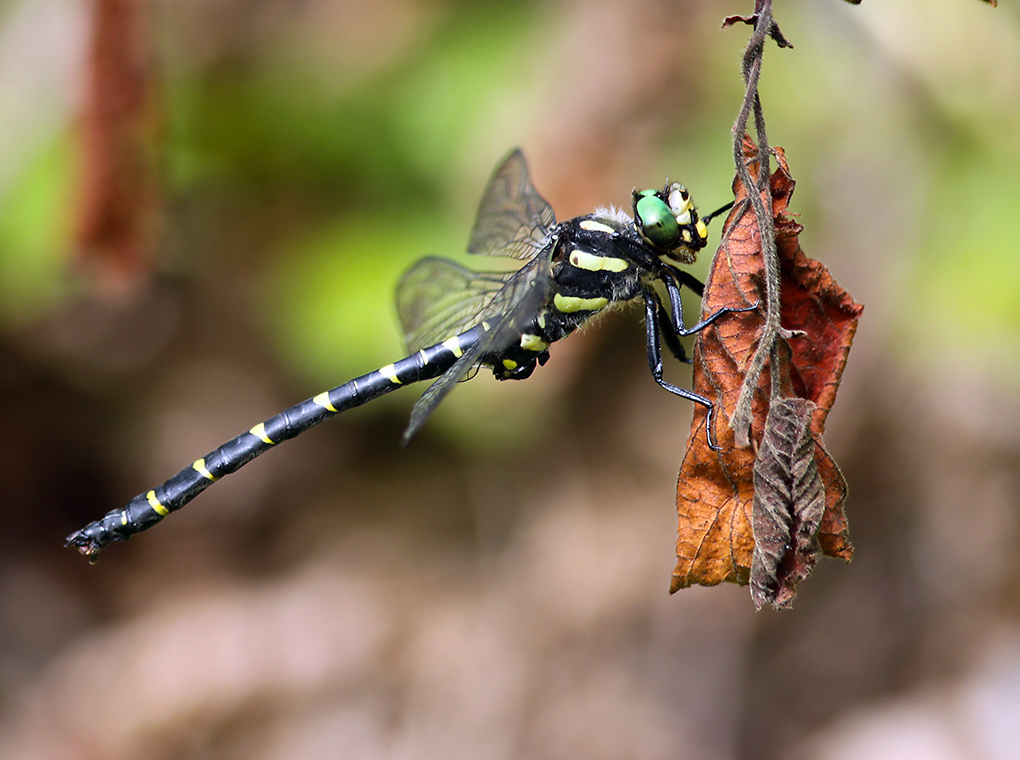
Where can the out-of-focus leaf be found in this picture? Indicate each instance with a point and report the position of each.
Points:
(118, 193)
(716, 490)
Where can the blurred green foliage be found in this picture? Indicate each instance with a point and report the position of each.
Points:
(368, 162)
(351, 170)
(34, 233)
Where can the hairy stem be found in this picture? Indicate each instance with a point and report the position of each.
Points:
(764, 26)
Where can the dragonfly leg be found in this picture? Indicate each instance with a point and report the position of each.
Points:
(653, 312)
(669, 336)
(672, 284)
(693, 283)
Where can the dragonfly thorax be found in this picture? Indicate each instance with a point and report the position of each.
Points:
(590, 268)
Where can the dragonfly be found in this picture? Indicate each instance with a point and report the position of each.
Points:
(456, 320)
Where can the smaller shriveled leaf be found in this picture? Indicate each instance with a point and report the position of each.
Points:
(789, 499)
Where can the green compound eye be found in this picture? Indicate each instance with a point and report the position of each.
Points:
(656, 220)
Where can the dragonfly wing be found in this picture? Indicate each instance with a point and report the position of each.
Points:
(502, 320)
(517, 302)
(513, 219)
(429, 400)
(437, 299)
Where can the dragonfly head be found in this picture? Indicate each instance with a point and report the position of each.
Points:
(668, 221)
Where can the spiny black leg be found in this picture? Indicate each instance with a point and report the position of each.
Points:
(668, 336)
(652, 310)
(686, 278)
(670, 280)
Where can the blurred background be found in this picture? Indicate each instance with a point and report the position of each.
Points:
(204, 207)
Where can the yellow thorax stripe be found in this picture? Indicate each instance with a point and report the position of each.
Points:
(594, 226)
(592, 263)
(568, 304)
(531, 342)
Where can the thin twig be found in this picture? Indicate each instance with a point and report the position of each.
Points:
(764, 26)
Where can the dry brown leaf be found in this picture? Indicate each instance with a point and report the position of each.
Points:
(716, 491)
(119, 198)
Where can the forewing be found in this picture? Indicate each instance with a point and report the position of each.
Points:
(502, 320)
(437, 299)
(513, 219)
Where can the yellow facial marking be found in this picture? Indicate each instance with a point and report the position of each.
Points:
(453, 346)
(510, 364)
(259, 431)
(323, 400)
(570, 304)
(680, 201)
(200, 468)
(156, 505)
(687, 236)
(592, 226)
(390, 373)
(684, 218)
(587, 261)
(533, 343)
(702, 229)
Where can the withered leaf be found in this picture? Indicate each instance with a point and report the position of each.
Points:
(715, 490)
(752, 20)
(789, 499)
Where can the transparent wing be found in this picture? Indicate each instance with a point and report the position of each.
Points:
(502, 319)
(436, 299)
(513, 219)
(429, 400)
